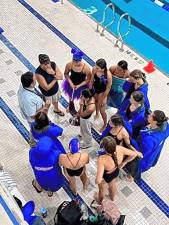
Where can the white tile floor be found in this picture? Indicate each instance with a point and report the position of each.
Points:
(31, 37)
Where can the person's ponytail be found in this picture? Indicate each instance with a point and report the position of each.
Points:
(105, 71)
(160, 117)
(115, 159)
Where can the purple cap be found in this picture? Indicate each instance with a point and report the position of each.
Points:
(77, 54)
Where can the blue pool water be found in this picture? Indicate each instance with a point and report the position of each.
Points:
(149, 34)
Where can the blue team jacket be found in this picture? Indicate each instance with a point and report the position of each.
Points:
(143, 88)
(44, 158)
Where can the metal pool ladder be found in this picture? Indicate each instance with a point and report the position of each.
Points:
(111, 5)
(121, 36)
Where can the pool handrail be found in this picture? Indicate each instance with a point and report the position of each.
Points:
(120, 36)
(104, 18)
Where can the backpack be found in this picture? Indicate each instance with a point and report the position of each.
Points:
(110, 212)
(68, 213)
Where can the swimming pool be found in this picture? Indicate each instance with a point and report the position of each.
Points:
(149, 35)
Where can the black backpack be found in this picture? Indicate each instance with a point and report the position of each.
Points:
(68, 213)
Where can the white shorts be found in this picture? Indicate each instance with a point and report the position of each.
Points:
(54, 98)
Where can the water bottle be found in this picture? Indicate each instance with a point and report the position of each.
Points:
(93, 219)
(43, 212)
(84, 211)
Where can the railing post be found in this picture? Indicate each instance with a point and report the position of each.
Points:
(111, 22)
(97, 28)
(104, 18)
(120, 36)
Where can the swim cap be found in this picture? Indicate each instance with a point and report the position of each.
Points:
(74, 145)
(77, 55)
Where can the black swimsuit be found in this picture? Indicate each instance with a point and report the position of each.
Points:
(115, 137)
(109, 176)
(76, 173)
(100, 84)
(72, 172)
(77, 77)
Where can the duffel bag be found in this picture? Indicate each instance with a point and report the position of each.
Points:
(68, 213)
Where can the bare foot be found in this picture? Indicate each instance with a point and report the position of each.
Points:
(73, 191)
(102, 129)
(96, 198)
(67, 109)
(130, 178)
(96, 117)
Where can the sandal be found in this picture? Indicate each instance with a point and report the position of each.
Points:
(50, 194)
(32, 143)
(33, 184)
(60, 113)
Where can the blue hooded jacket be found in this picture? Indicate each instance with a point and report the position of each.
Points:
(44, 159)
(52, 131)
(143, 88)
(137, 117)
(150, 142)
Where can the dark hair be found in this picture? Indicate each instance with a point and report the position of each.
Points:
(160, 117)
(88, 93)
(138, 74)
(117, 120)
(43, 59)
(123, 64)
(102, 64)
(27, 79)
(138, 96)
(109, 145)
(41, 120)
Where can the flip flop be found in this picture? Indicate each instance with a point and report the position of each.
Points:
(33, 184)
(50, 194)
(60, 113)
(32, 144)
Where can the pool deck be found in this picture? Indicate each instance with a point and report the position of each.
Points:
(31, 35)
